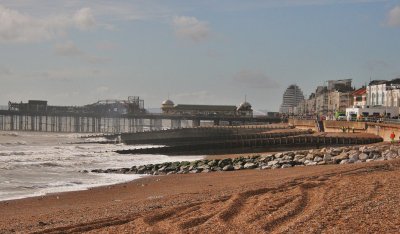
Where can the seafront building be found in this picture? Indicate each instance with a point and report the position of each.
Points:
(384, 93)
(291, 99)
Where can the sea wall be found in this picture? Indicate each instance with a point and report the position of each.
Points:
(303, 124)
(384, 130)
(337, 126)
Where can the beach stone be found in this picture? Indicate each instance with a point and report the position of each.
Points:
(370, 160)
(310, 156)
(344, 161)
(265, 167)
(317, 159)
(353, 157)
(213, 163)
(226, 161)
(321, 163)
(162, 169)
(238, 167)
(351, 160)
(288, 157)
(363, 157)
(271, 163)
(327, 157)
(249, 165)
(228, 168)
(286, 166)
(309, 163)
(278, 155)
(194, 171)
(266, 158)
(341, 156)
(206, 171)
(298, 156)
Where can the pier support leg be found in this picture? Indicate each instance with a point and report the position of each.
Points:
(196, 123)
(175, 123)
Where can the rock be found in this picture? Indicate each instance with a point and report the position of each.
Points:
(370, 160)
(327, 157)
(162, 169)
(340, 157)
(265, 167)
(363, 157)
(310, 156)
(317, 159)
(298, 156)
(309, 163)
(238, 167)
(353, 157)
(213, 163)
(206, 171)
(228, 168)
(226, 161)
(344, 161)
(266, 158)
(278, 155)
(249, 165)
(271, 163)
(286, 166)
(321, 163)
(287, 157)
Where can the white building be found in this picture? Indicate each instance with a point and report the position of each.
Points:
(291, 99)
(378, 112)
(384, 93)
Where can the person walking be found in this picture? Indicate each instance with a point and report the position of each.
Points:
(392, 136)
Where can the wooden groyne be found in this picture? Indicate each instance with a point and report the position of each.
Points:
(253, 144)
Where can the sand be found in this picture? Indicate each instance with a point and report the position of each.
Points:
(357, 198)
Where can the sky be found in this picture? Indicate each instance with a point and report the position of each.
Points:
(72, 52)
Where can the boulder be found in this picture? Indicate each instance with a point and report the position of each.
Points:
(309, 163)
(354, 156)
(249, 165)
(317, 159)
(286, 166)
(228, 168)
(344, 161)
(271, 163)
(327, 157)
(226, 161)
(213, 163)
(238, 167)
(363, 157)
(310, 156)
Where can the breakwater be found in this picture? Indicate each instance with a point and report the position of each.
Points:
(329, 155)
(259, 142)
(184, 135)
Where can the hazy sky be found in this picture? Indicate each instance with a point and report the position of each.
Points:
(72, 52)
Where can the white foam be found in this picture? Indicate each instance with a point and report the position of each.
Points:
(44, 165)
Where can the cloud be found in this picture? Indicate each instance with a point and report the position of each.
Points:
(69, 49)
(22, 28)
(255, 79)
(84, 19)
(393, 17)
(191, 28)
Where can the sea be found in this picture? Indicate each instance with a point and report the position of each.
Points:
(38, 163)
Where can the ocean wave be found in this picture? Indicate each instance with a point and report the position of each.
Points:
(13, 134)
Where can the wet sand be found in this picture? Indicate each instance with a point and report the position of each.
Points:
(354, 198)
